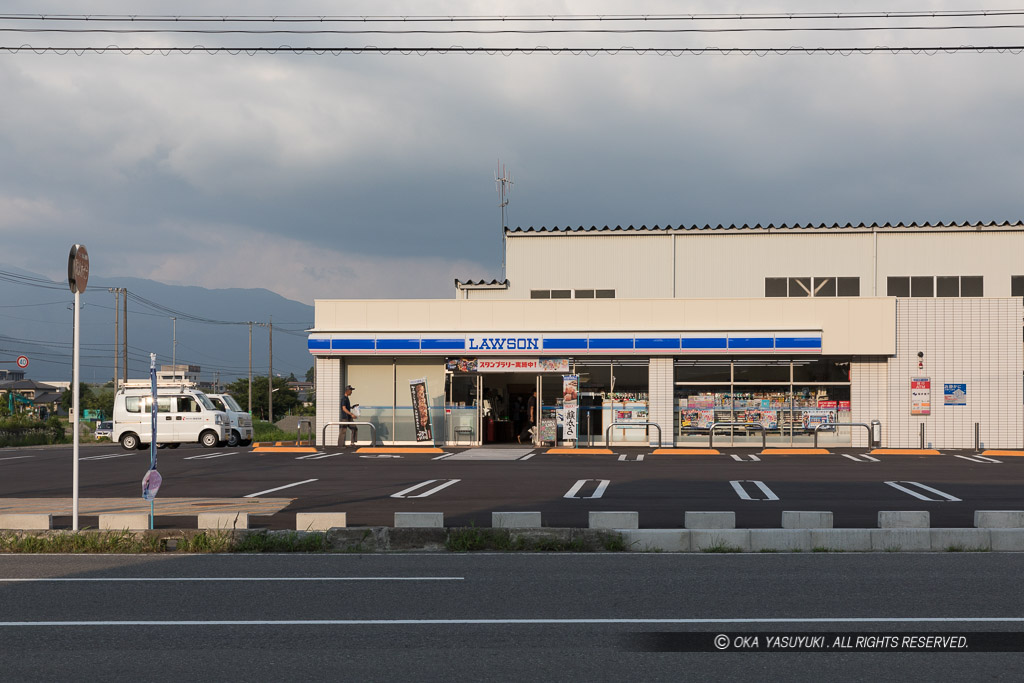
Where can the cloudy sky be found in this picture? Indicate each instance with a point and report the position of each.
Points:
(373, 175)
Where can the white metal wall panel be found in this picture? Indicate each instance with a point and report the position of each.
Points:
(328, 394)
(995, 255)
(634, 265)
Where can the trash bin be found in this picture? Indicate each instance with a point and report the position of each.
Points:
(876, 434)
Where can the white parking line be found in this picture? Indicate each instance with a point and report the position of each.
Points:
(107, 457)
(979, 458)
(947, 498)
(625, 458)
(739, 458)
(209, 456)
(598, 492)
(738, 487)
(79, 579)
(527, 457)
(310, 456)
(404, 493)
(328, 455)
(860, 457)
(19, 457)
(442, 457)
(286, 486)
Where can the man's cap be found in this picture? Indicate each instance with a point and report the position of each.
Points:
(350, 388)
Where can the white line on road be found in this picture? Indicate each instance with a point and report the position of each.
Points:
(738, 487)
(325, 455)
(107, 457)
(403, 494)
(527, 457)
(915, 494)
(309, 456)
(860, 457)
(235, 578)
(286, 486)
(19, 457)
(979, 458)
(527, 622)
(739, 458)
(625, 458)
(442, 457)
(598, 492)
(209, 456)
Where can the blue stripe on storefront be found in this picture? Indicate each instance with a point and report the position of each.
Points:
(398, 344)
(798, 342)
(443, 344)
(751, 342)
(657, 343)
(703, 343)
(562, 344)
(611, 343)
(318, 344)
(352, 344)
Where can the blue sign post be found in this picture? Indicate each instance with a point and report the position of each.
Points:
(151, 482)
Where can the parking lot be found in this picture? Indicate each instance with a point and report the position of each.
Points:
(468, 484)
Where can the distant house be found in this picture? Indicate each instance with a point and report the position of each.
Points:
(302, 390)
(11, 375)
(31, 394)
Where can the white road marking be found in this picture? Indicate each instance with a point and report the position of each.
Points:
(321, 456)
(286, 486)
(19, 457)
(738, 487)
(379, 455)
(209, 456)
(234, 578)
(739, 458)
(107, 457)
(860, 457)
(309, 456)
(915, 494)
(527, 457)
(979, 458)
(598, 492)
(625, 458)
(524, 622)
(442, 457)
(404, 493)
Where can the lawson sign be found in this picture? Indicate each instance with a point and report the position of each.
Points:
(567, 343)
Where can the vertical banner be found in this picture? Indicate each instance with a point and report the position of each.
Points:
(421, 409)
(570, 407)
(152, 480)
(920, 396)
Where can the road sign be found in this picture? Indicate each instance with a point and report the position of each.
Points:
(78, 268)
(23, 362)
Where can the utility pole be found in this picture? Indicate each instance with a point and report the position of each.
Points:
(504, 186)
(174, 348)
(270, 376)
(250, 367)
(124, 334)
(117, 327)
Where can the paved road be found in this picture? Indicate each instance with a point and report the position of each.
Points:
(468, 485)
(492, 616)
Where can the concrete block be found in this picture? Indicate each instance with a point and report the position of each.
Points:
(125, 521)
(780, 539)
(320, 521)
(904, 519)
(710, 520)
(651, 540)
(1007, 540)
(806, 520)
(515, 520)
(614, 520)
(999, 519)
(223, 520)
(721, 540)
(904, 539)
(846, 540)
(961, 539)
(27, 521)
(420, 520)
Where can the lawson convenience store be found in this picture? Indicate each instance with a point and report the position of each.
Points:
(647, 371)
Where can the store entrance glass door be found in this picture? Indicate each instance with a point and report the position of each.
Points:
(462, 409)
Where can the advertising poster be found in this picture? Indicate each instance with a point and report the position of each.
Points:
(421, 409)
(920, 396)
(570, 406)
(954, 394)
(813, 418)
(533, 365)
(696, 419)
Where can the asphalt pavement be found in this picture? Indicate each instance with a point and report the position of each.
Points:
(468, 484)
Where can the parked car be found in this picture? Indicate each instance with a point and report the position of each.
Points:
(105, 429)
(184, 415)
(241, 422)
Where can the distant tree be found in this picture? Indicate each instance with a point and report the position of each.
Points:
(292, 378)
(84, 396)
(285, 399)
(310, 374)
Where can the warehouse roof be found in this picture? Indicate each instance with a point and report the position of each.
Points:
(861, 227)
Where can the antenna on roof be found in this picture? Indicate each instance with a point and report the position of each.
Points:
(503, 184)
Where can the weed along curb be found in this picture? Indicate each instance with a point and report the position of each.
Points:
(476, 539)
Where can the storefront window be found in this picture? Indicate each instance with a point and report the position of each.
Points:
(611, 391)
(755, 370)
(821, 370)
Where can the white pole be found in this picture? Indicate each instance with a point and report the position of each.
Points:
(74, 421)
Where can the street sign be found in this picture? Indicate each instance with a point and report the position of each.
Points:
(22, 362)
(78, 268)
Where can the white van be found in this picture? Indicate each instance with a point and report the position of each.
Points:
(241, 421)
(184, 415)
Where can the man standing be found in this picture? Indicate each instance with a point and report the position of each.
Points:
(347, 416)
(531, 418)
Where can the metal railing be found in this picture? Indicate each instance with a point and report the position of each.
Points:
(373, 429)
(747, 425)
(833, 425)
(607, 432)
